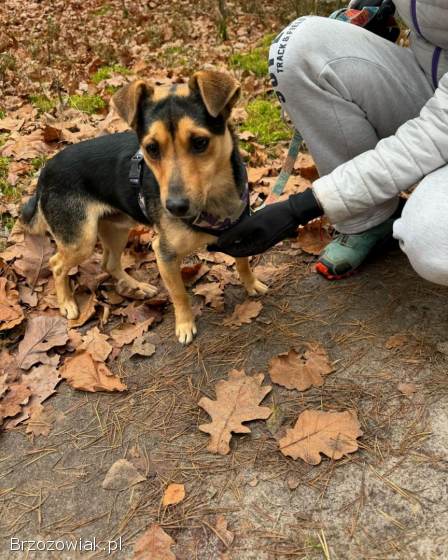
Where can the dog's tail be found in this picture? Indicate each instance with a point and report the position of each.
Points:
(31, 216)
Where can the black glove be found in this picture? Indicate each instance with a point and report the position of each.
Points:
(383, 23)
(256, 233)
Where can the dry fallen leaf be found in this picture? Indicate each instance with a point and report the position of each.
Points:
(154, 544)
(33, 256)
(122, 475)
(42, 333)
(11, 403)
(300, 371)
(407, 389)
(42, 420)
(128, 333)
(226, 536)
(26, 147)
(83, 373)
(255, 174)
(173, 494)
(331, 433)
(11, 313)
(305, 165)
(213, 294)
(96, 345)
(237, 400)
(244, 313)
(395, 341)
(86, 305)
(192, 273)
(268, 273)
(141, 347)
(313, 238)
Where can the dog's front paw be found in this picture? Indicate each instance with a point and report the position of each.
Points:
(256, 288)
(69, 309)
(135, 290)
(185, 332)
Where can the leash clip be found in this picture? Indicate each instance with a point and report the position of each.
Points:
(135, 172)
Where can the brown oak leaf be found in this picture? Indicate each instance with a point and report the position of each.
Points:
(128, 333)
(192, 273)
(331, 433)
(11, 403)
(96, 344)
(174, 493)
(42, 420)
(237, 400)
(122, 475)
(244, 313)
(142, 347)
(11, 313)
(313, 238)
(86, 304)
(154, 544)
(213, 294)
(300, 371)
(33, 256)
(42, 333)
(83, 373)
(25, 147)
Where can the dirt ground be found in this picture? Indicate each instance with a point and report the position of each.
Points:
(388, 500)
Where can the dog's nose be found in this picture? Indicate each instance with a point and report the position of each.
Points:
(178, 206)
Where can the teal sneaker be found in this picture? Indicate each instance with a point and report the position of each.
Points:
(347, 252)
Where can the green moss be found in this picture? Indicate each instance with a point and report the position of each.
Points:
(105, 72)
(4, 164)
(2, 114)
(255, 61)
(38, 162)
(104, 10)
(42, 103)
(3, 138)
(87, 103)
(265, 122)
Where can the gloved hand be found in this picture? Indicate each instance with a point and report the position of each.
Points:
(383, 23)
(262, 230)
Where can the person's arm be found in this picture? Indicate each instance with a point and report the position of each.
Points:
(419, 147)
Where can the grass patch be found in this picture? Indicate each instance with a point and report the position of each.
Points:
(7, 191)
(87, 103)
(105, 72)
(38, 162)
(103, 11)
(175, 56)
(255, 61)
(42, 103)
(265, 122)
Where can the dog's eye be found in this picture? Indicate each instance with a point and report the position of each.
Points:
(199, 144)
(153, 150)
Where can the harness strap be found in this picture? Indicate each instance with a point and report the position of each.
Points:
(135, 178)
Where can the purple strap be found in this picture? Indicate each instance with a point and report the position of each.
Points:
(435, 65)
(414, 17)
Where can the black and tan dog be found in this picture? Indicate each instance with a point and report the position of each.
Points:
(180, 171)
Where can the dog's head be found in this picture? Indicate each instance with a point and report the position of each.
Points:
(184, 135)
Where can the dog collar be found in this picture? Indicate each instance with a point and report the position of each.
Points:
(205, 222)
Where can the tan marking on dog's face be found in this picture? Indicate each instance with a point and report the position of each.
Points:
(183, 170)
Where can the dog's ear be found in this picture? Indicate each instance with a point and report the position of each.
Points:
(128, 100)
(219, 91)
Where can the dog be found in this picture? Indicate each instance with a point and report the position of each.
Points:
(178, 170)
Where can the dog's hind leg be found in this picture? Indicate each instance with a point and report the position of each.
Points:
(248, 279)
(113, 235)
(68, 256)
